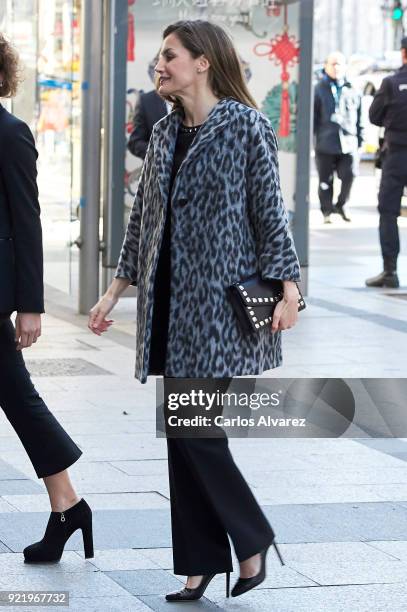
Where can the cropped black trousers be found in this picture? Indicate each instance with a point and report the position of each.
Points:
(49, 447)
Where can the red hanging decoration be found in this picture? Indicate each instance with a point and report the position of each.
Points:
(282, 49)
(131, 39)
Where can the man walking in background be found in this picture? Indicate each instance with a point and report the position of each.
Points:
(150, 108)
(389, 109)
(338, 134)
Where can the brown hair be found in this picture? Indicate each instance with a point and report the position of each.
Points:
(225, 75)
(9, 68)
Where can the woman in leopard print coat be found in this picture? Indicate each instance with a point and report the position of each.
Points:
(227, 221)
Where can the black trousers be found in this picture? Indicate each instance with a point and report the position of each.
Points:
(47, 444)
(327, 164)
(393, 180)
(210, 500)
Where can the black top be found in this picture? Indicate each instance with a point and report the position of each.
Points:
(21, 259)
(159, 332)
(389, 108)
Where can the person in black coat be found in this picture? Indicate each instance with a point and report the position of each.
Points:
(389, 109)
(49, 447)
(338, 134)
(150, 108)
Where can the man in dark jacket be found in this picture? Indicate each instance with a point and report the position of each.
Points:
(338, 134)
(150, 108)
(389, 109)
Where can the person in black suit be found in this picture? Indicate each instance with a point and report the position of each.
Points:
(150, 108)
(49, 447)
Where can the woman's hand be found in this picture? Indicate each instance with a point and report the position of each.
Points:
(28, 329)
(286, 312)
(97, 316)
(97, 322)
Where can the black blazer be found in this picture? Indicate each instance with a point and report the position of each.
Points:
(150, 109)
(21, 256)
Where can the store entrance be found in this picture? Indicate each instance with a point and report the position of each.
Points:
(46, 34)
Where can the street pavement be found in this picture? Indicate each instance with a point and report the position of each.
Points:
(338, 505)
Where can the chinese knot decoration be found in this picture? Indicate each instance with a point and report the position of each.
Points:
(282, 49)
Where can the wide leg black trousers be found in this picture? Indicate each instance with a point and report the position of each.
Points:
(47, 444)
(210, 500)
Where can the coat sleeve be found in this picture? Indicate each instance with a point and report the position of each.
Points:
(277, 257)
(128, 259)
(378, 108)
(19, 173)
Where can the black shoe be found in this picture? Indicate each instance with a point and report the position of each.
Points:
(338, 210)
(386, 278)
(246, 584)
(60, 527)
(188, 594)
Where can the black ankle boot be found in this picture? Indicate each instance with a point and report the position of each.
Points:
(246, 584)
(338, 209)
(188, 594)
(60, 527)
(387, 278)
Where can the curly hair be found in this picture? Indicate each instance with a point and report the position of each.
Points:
(9, 68)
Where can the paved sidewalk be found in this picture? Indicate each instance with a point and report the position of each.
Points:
(338, 506)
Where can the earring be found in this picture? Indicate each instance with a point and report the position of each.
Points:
(198, 70)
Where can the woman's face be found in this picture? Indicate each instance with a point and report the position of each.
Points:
(177, 69)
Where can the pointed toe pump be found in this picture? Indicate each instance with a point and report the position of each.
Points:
(60, 527)
(188, 594)
(246, 584)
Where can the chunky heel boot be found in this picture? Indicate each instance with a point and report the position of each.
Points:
(386, 278)
(188, 594)
(246, 584)
(60, 527)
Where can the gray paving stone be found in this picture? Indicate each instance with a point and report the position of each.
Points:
(86, 584)
(146, 582)
(8, 472)
(161, 556)
(128, 603)
(19, 487)
(395, 549)
(318, 476)
(160, 604)
(122, 559)
(341, 552)
(6, 507)
(351, 598)
(319, 494)
(360, 572)
(64, 367)
(112, 529)
(338, 522)
(13, 563)
(140, 468)
(97, 501)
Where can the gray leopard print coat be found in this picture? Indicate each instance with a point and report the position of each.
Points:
(228, 220)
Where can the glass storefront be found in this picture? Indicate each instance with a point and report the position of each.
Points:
(46, 34)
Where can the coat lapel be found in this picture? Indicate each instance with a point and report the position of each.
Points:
(165, 136)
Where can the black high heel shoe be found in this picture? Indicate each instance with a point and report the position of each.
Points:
(246, 584)
(60, 527)
(188, 594)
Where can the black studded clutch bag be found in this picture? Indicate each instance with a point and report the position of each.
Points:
(254, 300)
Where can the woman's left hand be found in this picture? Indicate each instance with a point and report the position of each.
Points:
(286, 312)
